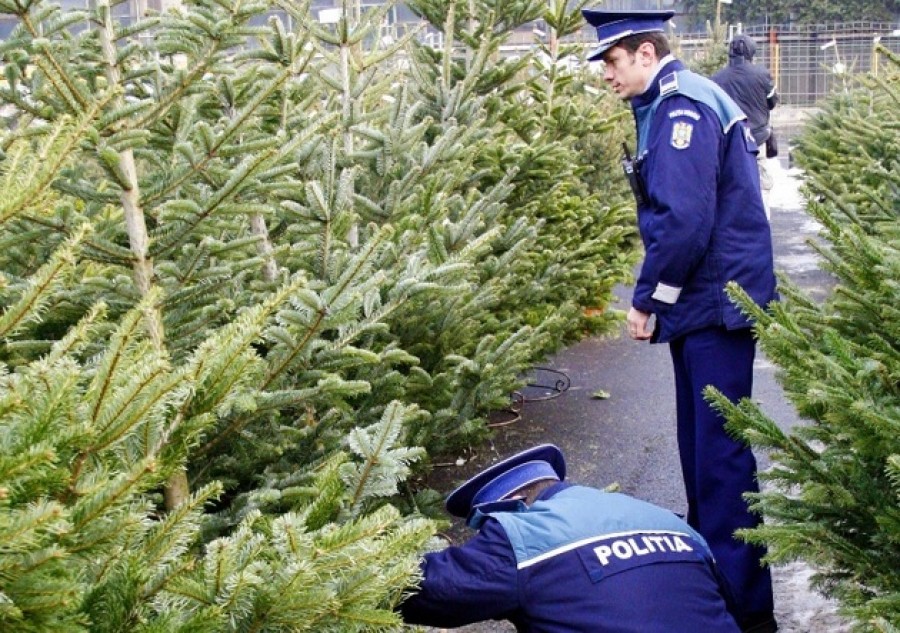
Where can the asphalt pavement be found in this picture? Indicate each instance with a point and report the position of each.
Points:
(628, 438)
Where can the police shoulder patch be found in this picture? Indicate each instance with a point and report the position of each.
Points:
(681, 134)
(668, 84)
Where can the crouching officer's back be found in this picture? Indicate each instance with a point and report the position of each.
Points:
(554, 557)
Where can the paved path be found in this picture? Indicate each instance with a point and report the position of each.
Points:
(629, 438)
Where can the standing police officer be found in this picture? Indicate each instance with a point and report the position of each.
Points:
(703, 224)
(554, 557)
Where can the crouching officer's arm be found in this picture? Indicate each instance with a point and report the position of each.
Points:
(463, 584)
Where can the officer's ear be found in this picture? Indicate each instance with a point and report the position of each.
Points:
(646, 53)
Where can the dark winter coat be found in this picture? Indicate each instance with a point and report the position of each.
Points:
(751, 86)
(703, 223)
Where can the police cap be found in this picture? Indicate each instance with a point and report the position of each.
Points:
(503, 478)
(613, 26)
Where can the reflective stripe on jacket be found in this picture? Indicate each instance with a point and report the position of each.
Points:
(577, 560)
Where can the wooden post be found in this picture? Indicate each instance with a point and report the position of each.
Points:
(774, 56)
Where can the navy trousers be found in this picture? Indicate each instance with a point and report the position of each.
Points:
(718, 469)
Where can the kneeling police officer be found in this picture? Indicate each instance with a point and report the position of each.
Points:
(552, 556)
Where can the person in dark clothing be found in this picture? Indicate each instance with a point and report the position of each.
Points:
(703, 225)
(752, 88)
(552, 557)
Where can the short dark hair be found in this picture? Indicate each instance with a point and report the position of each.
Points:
(658, 40)
(531, 491)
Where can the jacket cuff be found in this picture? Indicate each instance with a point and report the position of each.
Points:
(665, 293)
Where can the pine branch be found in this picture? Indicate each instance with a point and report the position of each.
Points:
(29, 180)
(384, 465)
(27, 308)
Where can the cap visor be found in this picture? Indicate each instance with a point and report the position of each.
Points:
(597, 53)
(459, 502)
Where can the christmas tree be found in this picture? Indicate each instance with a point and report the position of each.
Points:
(833, 493)
(251, 263)
(96, 426)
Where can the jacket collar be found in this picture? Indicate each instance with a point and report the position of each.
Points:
(652, 92)
(549, 491)
(480, 513)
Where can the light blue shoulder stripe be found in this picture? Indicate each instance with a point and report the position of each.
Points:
(579, 515)
(704, 90)
(696, 87)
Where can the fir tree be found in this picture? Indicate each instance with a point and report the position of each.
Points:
(86, 440)
(834, 494)
(227, 280)
(564, 236)
(794, 11)
(715, 50)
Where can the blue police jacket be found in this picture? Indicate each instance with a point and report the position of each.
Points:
(576, 560)
(703, 223)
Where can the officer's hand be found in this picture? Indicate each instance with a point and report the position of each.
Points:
(639, 325)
